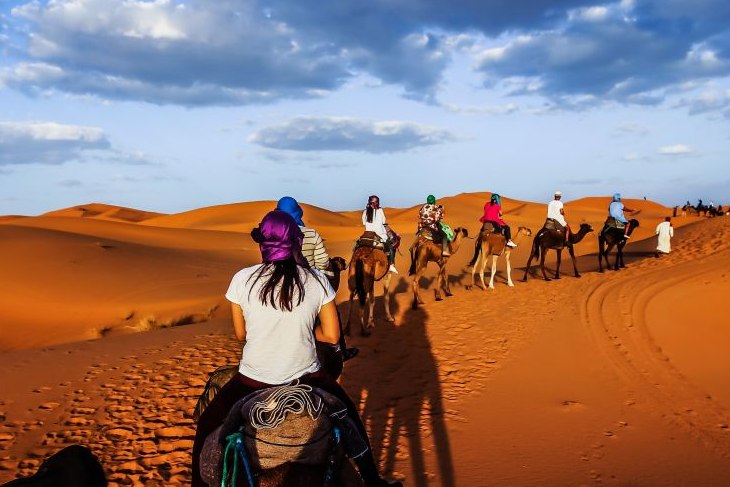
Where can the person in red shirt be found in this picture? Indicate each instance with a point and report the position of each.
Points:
(493, 215)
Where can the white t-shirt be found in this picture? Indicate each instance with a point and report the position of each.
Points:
(553, 212)
(377, 225)
(279, 344)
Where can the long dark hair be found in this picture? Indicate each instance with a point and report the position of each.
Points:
(373, 204)
(283, 283)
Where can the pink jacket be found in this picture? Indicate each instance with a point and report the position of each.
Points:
(492, 213)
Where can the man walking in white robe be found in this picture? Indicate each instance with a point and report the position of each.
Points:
(664, 232)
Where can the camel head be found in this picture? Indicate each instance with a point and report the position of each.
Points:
(585, 228)
(524, 231)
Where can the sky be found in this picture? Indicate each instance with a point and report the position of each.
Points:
(171, 105)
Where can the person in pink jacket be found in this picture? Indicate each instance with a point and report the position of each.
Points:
(493, 215)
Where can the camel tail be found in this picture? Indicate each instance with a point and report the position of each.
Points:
(476, 253)
(360, 281)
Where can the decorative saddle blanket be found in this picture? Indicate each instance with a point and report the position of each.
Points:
(288, 423)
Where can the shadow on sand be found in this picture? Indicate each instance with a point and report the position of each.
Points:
(396, 384)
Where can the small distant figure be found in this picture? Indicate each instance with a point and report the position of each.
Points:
(644, 198)
(675, 210)
(664, 232)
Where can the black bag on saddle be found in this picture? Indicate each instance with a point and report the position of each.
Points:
(611, 222)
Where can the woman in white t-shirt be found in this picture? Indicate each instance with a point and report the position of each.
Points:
(274, 306)
(373, 217)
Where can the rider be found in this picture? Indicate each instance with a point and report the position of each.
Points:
(373, 217)
(274, 305)
(616, 211)
(493, 215)
(429, 218)
(316, 254)
(556, 211)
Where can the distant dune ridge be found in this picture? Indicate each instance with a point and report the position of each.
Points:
(611, 379)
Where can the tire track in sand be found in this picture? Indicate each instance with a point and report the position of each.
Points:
(615, 311)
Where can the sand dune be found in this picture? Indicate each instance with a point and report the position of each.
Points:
(612, 379)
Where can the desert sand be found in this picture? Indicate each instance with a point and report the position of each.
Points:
(112, 318)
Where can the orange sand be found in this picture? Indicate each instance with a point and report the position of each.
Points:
(612, 379)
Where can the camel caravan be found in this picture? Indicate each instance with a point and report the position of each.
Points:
(264, 422)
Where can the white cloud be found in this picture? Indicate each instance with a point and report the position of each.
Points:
(675, 150)
(348, 134)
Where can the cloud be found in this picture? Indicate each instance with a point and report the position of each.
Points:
(347, 134)
(226, 52)
(54, 143)
(628, 53)
(505, 109)
(632, 128)
(47, 142)
(675, 150)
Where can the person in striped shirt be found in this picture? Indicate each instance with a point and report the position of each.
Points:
(316, 255)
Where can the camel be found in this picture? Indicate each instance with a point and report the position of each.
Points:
(494, 244)
(550, 239)
(424, 251)
(607, 239)
(368, 264)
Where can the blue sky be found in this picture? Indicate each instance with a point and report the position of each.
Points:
(171, 105)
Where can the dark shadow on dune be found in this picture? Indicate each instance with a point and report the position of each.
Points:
(400, 396)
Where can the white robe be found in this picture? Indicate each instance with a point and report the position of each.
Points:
(664, 232)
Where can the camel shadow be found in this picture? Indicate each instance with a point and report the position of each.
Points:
(397, 386)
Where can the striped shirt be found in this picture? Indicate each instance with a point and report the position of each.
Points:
(313, 249)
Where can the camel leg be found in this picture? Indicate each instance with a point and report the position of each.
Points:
(494, 271)
(509, 269)
(416, 279)
(447, 288)
(386, 298)
(621, 256)
(527, 268)
(557, 266)
(481, 271)
(349, 313)
(542, 265)
(368, 318)
(571, 251)
(473, 271)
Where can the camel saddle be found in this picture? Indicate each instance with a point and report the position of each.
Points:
(370, 239)
(288, 423)
(553, 225)
(611, 222)
(429, 233)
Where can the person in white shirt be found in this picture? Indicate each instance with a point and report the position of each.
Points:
(274, 306)
(373, 217)
(664, 232)
(555, 211)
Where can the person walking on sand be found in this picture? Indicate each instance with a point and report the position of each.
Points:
(273, 307)
(314, 251)
(556, 212)
(373, 217)
(665, 233)
(493, 214)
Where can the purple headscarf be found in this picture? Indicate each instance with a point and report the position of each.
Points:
(279, 238)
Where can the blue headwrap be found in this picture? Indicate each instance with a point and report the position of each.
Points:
(617, 197)
(496, 198)
(289, 205)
